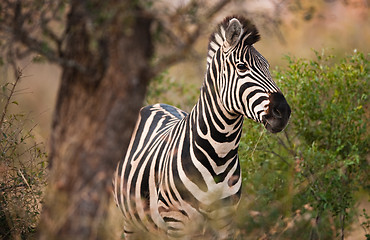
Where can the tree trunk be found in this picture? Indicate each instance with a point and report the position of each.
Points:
(98, 101)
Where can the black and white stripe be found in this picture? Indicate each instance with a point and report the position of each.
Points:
(181, 175)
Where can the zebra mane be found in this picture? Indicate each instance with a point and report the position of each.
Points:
(217, 38)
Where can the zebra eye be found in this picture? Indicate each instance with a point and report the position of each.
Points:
(242, 67)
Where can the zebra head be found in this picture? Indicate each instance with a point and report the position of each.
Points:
(242, 78)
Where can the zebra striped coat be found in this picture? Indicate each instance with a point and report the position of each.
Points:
(181, 175)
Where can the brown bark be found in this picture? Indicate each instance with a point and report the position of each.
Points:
(97, 107)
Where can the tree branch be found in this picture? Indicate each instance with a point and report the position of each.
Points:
(183, 47)
(21, 22)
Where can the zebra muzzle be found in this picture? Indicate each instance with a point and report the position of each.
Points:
(278, 113)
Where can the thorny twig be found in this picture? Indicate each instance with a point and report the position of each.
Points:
(9, 97)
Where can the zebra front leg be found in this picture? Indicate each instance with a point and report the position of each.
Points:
(220, 223)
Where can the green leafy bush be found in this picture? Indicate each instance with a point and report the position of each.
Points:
(164, 89)
(302, 183)
(22, 168)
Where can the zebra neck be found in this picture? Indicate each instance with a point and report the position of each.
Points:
(213, 126)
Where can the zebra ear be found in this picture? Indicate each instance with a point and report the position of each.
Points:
(233, 31)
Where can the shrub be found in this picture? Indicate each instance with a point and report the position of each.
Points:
(22, 169)
(302, 183)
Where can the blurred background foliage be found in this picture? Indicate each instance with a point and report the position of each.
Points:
(309, 182)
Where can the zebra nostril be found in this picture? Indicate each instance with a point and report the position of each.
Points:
(276, 113)
(278, 107)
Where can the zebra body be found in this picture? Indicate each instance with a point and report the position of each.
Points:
(181, 175)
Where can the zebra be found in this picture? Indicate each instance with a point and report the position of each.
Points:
(181, 175)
